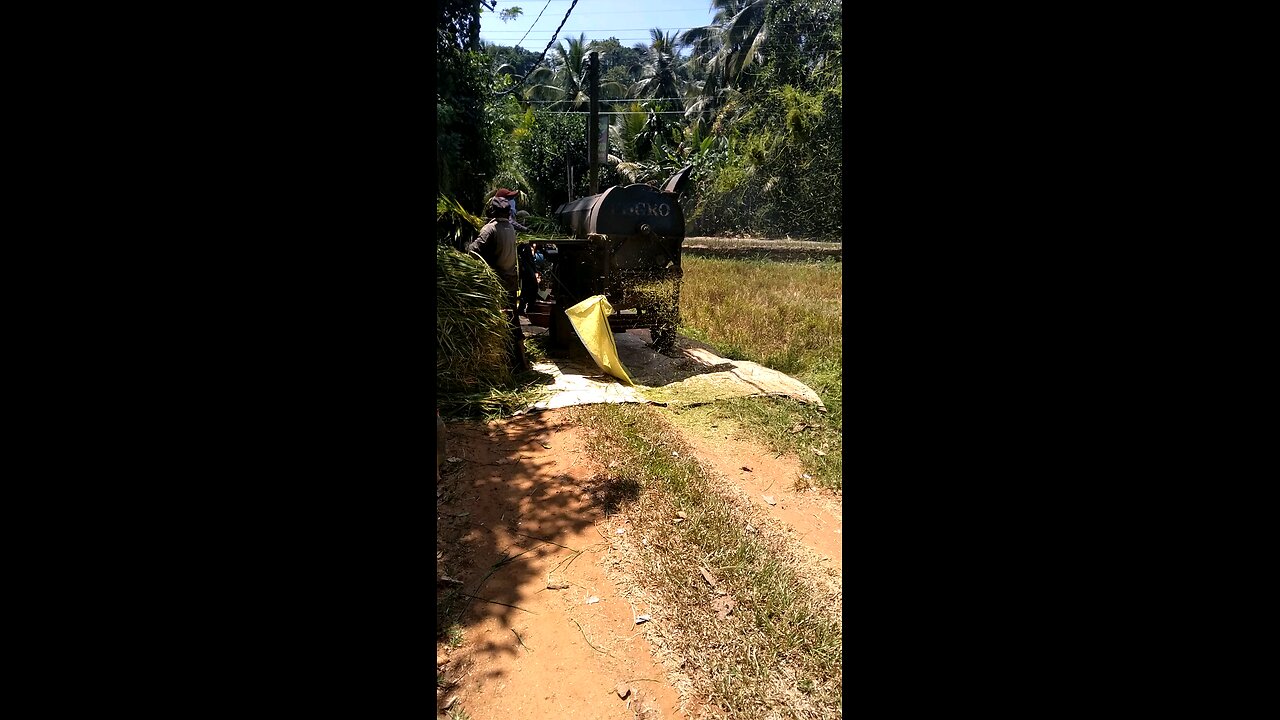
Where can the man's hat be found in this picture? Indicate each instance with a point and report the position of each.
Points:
(499, 207)
(505, 193)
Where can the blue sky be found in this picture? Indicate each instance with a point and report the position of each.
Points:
(627, 20)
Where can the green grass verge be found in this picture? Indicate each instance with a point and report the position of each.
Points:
(778, 654)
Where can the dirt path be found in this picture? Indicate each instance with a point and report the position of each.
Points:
(814, 518)
(528, 531)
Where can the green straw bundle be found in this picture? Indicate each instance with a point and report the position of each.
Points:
(473, 336)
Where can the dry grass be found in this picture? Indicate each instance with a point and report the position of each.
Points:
(778, 654)
(738, 243)
(786, 316)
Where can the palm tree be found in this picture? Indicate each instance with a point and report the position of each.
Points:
(732, 42)
(660, 75)
(644, 145)
(705, 96)
(629, 151)
(566, 81)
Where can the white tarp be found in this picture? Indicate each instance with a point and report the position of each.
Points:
(695, 376)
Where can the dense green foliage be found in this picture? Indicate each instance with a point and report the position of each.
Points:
(463, 79)
(564, 80)
(759, 113)
(513, 61)
(778, 107)
(780, 173)
(551, 144)
(618, 63)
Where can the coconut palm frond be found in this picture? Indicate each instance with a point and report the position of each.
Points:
(753, 52)
(612, 90)
(543, 92)
(541, 74)
(700, 38)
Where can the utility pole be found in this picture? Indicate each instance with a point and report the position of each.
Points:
(593, 121)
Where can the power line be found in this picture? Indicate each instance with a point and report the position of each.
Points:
(609, 100)
(614, 29)
(635, 12)
(535, 22)
(543, 56)
(627, 42)
(588, 112)
(793, 23)
(544, 111)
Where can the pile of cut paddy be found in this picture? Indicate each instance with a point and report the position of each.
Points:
(473, 337)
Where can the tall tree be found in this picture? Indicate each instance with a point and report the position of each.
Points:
(733, 41)
(661, 73)
(510, 60)
(458, 24)
(463, 158)
(803, 42)
(618, 63)
(705, 93)
(565, 81)
(644, 145)
(553, 144)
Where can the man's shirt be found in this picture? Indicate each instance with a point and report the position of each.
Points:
(497, 245)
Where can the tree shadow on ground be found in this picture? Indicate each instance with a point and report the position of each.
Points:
(511, 505)
(611, 493)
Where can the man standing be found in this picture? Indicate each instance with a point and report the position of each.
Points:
(496, 244)
(528, 276)
(510, 196)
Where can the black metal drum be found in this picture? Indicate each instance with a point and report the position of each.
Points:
(626, 246)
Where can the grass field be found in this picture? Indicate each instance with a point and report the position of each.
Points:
(786, 316)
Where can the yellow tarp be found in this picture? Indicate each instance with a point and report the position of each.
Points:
(590, 319)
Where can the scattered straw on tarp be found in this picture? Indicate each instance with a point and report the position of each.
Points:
(692, 376)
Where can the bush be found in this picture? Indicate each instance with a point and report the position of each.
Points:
(779, 172)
